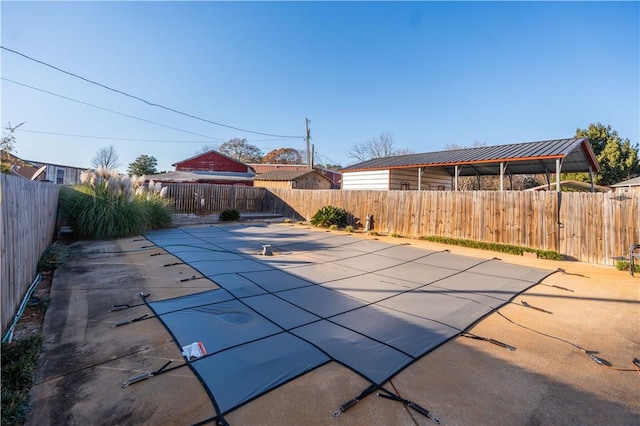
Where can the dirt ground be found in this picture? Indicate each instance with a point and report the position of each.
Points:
(549, 379)
(32, 319)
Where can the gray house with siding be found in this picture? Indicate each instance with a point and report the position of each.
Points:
(440, 170)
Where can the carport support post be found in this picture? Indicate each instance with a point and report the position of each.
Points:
(558, 167)
(591, 178)
(420, 173)
(502, 167)
(457, 173)
(547, 172)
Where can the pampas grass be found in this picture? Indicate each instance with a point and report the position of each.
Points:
(107, 206)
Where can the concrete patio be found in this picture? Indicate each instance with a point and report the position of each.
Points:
(547, 380)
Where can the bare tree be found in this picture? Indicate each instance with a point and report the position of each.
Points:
(8, 143)
(7, 146)
(107, 158)
(475, 183)
(205, 148)
(491, 183)
(378, 147)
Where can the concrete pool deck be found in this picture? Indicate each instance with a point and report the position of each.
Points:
(547, 380)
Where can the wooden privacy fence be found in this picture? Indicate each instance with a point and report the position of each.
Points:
(512, 217)
(589, 227)
(598, 227)
(200, 198)
(27, 225)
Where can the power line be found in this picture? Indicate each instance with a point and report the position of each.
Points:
(329, 134)
(107, 109)
(131, 139)
(326, 158)
(148, 102)
(108, 137)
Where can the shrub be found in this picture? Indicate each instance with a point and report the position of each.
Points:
(394, 235)
(229, 215)
(106, 216)
(19, 360)
(53, 257)
(502, 248)
(156, 211)
(328, 216)
(623, 265)
(348, 228)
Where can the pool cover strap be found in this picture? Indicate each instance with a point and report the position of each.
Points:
(410, 404)
(344, 407)
(490, 340)
(140, 318)
(217, 420)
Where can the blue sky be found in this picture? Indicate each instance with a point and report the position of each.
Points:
(430, 73)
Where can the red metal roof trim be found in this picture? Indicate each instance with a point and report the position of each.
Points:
(462, 163)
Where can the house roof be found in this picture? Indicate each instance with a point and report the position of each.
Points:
(26, 171)
(261, 168)
(625, 183)
(268, 167)
(212, 151)
(40, 164)
(186, 177)
(286, 175)
(521, 158)
(572, 184)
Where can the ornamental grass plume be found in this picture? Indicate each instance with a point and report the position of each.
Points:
(108, 205)
(86, 176)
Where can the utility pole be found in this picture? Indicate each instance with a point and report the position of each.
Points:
(313, 156)
(308, 138)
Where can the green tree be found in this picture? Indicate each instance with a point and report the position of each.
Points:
(618, 157)
(241, 150)
(329, 166)
(143, 165)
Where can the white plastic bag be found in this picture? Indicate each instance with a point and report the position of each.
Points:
(194, 350)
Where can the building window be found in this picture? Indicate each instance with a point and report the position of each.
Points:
(60, 176)
(405, 186)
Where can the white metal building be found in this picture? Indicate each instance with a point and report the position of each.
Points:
(440, 170)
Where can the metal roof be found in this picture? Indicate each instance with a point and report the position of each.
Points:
(625, 183)
(521, 158)
(571, 184)
(187, 177)
(286, 175)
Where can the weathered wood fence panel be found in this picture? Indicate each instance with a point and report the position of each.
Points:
(27, 225)
(200, 198)
(598, 227)
(587, 227)
(510, 217)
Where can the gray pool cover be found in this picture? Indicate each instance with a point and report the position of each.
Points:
(373, 307)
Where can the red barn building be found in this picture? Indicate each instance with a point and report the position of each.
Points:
(210, 167)
(212, 161)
